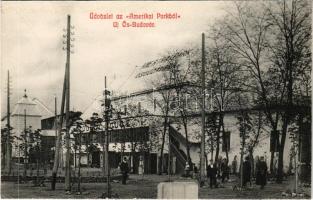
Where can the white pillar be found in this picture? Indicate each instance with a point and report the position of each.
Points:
(101, 159)
(174, 165)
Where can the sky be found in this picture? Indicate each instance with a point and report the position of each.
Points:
(32, 41)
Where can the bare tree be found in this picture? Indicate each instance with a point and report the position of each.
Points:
(163, 104)
(178, 77)
(246, 32)
(173, 77)
(291, 55)
(271, 43)
(223, 79)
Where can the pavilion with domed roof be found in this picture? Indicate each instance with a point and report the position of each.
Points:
(27, 113)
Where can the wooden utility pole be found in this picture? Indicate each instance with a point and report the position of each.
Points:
(55, 117)
(65, 99)
(58, 129)
(25, 143)
(296, 146)
(8, 150)
(103, 134)
(242, 150)
(106, 154)
(67, 114)
(202, 150)
(79, 159)
(169, 153)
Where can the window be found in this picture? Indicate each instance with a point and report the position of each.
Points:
(226, 141)
(274, 143)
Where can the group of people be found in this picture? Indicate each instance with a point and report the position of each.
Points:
(191, 170)
(260, 171)
(220, 169)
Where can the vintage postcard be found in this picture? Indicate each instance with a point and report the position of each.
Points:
(156, 99)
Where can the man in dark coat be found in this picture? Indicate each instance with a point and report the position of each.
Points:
(212, 173)
(124, 169)
(246, 171)
(261, 171)
(234, 165)
(218, 164)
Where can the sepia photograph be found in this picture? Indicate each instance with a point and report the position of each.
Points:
(156, 99)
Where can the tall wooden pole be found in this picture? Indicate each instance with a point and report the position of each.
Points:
(58, 129)
(106, 164)
(67, 114)
(202, 151)
(242, 150)
(169, 153)
(79, 160)
(25, 144)
(55, 117)
(8, 151)
(65, 97)
(296, 162)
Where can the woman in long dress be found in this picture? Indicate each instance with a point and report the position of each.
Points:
(261, 173)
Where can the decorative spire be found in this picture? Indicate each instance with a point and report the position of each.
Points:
(25, 95)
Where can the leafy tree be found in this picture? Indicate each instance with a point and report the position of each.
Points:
(245, 127)
(136, 117)
(7, 141)
(29, 143)
(94, 122)
(211, 137)
(23, 146)
(35, 150)
(77, 133)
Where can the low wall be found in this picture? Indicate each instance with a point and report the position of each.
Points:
(60, 179)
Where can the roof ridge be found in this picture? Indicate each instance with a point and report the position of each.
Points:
(43, 105)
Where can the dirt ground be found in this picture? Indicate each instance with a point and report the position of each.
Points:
(141, 187)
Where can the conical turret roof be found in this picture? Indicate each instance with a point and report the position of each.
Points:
(31, 107)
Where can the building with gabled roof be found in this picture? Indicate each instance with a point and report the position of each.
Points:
(145, 101)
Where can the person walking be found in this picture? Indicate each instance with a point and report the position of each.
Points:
(234, 165)
(246, 171)
(212, 173)
(195, 172)
(124, 169)
(141, 166)
(257, 161)
(218, 164)
(187, 169)
(275, 165)
(261, 172)
(224, 169)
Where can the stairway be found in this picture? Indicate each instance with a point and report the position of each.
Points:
(178, 153)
